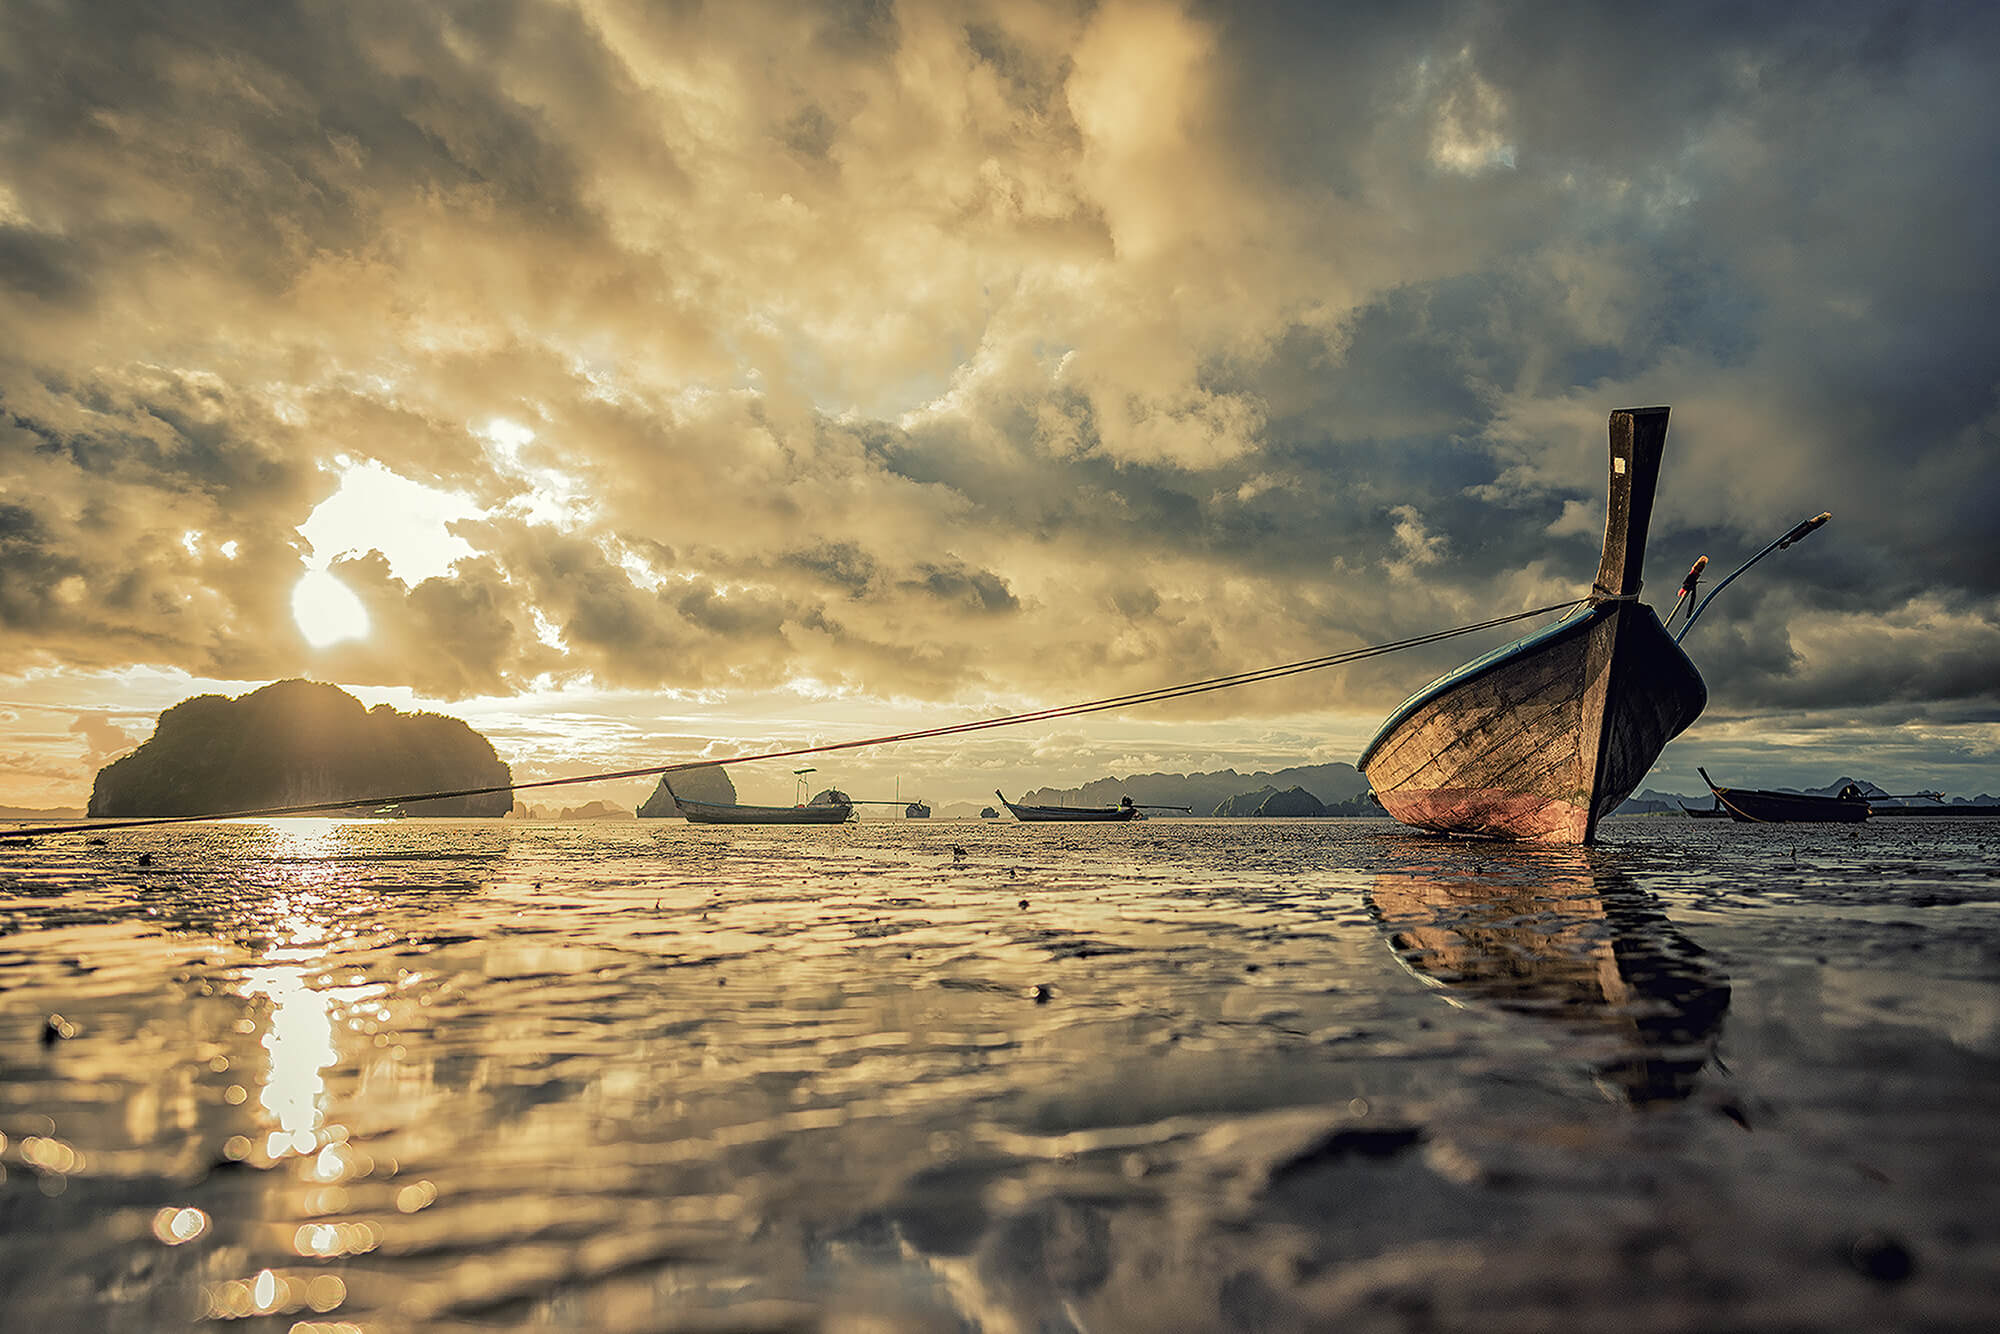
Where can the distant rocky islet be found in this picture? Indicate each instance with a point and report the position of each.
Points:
(709, 783)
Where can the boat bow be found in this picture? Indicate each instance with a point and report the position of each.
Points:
(1541, 737)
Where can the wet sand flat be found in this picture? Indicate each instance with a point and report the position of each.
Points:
(1174, 1075)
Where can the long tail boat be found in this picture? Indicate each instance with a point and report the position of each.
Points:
(1124, 810)
(1541, 738)
(1749, 805)
(709, 812)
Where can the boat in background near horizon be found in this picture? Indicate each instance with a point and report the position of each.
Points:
(1749, 805)
(1124, 810)
(829, 807)
(1714, 812)
(1542, 737)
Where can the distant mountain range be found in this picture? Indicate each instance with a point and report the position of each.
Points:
(592, 810)
(39, 814)
(1269, 803)
(1339, 788)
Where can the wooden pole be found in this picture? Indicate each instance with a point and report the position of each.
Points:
(1638, 436)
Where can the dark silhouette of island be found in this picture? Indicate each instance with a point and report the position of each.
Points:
(39, 814)
(1340, 788)
(706, 784)
(294, 743)
(590, 810)
(1269, 802)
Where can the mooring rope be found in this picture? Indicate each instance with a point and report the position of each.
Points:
(1154, 696)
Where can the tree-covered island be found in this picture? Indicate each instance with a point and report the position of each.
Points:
(294, 743)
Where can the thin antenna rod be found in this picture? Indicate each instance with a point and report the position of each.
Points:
(1801, 531)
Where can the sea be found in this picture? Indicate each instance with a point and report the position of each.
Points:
(325, 1076)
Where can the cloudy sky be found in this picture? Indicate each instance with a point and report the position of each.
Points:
(641, 381)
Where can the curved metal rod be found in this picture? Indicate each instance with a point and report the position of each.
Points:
(1796, 534)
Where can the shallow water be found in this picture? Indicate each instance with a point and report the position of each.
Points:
(400, 1076)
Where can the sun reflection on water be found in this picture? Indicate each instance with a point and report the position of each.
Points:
(302, 929)
(300, 1043)
(303, 836)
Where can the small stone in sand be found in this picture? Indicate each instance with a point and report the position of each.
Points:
(1880, 1256)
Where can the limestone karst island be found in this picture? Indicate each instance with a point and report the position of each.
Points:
(296, 742)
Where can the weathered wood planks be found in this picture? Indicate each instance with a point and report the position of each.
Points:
(1540, 739)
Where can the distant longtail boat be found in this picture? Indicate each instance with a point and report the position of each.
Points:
(815, 812)
(1749, 805)
(1124, 810)
(1541, 738)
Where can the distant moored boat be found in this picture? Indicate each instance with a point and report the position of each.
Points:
(1749, 805)
(829, 808)
(1124, 810)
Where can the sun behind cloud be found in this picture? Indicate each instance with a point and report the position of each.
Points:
(327, 610)
(374, 509)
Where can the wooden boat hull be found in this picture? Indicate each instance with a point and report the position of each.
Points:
(703, 812)
(1784, 808)
(1755, 806)
(1069, 814)
(1539, 739)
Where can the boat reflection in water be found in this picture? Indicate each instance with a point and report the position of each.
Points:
(1590, 951)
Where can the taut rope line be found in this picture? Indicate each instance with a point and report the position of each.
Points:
(978, 725)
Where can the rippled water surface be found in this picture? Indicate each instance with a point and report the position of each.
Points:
(417, 1076)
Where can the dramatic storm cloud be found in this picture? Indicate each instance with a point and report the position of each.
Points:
(810, 365)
